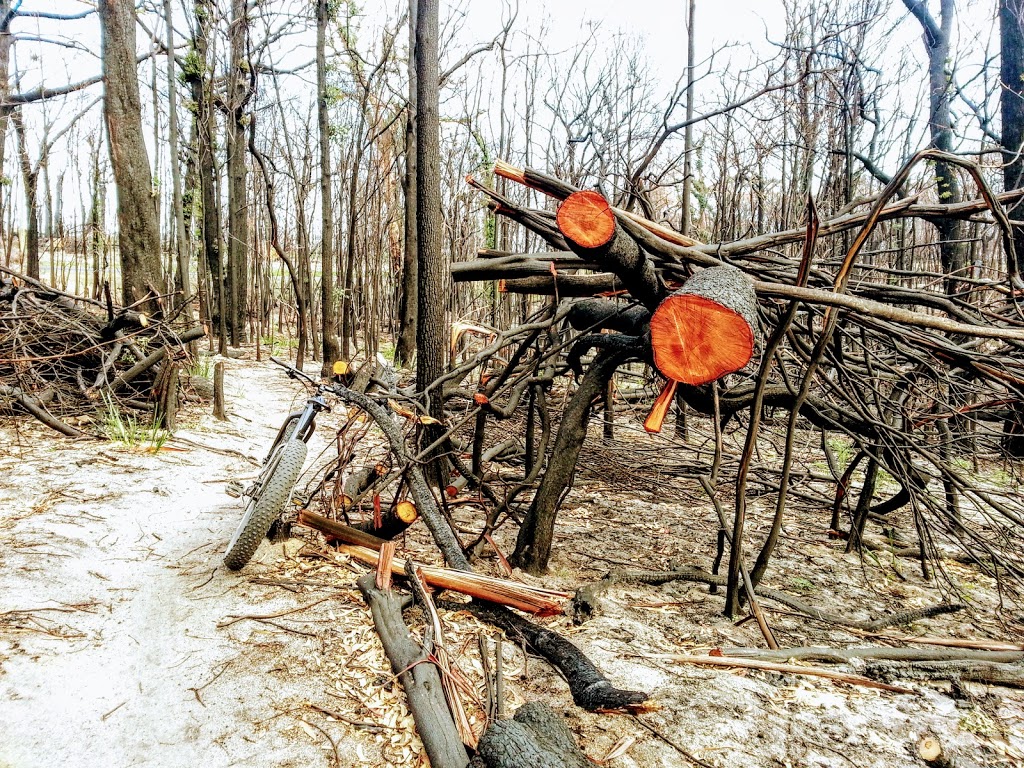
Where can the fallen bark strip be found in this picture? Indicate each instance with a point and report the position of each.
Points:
(790, 669)
(544, 602)
(882, 653)
(1009, 675)
(37, 409)
(589, 687)
(585, 602)
(419, 678)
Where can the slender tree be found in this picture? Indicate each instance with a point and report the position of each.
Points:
(1011, 107)
(182, 282)
(952, 251)
(408, 303)
(240, 90)
(430, 333)
(327, 289)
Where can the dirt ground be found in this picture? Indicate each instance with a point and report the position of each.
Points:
(124, 642)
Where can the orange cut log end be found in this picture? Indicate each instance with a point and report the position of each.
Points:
(697, 340)
(586, 219)
(406, 512)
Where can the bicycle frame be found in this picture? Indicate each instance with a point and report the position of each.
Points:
(304, 420)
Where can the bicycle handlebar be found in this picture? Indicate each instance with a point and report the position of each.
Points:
(293, 371)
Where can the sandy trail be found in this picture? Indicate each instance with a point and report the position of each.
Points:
(110, 651)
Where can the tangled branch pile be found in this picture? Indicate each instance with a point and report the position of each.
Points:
(61, 355)
(920, 374)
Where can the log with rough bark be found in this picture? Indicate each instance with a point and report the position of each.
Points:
(702, 332)
(707, 328)
(588, 225)
(536, 737)
(419, 678)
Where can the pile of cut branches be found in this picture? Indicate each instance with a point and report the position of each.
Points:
(918, 376)
(64, 356)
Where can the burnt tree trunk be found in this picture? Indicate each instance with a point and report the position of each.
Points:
(139, 237)
(410, 274)
(329, 312)
(533, 545)
(240, 73)
(1011, 107)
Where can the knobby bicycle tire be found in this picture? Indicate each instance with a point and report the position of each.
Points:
(276, 486)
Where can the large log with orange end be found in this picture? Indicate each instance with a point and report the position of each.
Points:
(706, 328)
(587, 222)
(703, 331)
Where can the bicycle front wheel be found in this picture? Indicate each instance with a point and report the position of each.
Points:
(274, 489)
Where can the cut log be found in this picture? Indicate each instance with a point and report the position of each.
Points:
(394, 520)
(588, 225)
(706, 329)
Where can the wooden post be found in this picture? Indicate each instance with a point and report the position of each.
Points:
(218, 392)
(170, 416)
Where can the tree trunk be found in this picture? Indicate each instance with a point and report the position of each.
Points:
(200, 81)
(236, 283)
(952, 252)
(533, 546)
(182, 282)
(6, 39)
(329, 313)
(30, 181)
(1011, 108)
(430, 332)
(410, 279)
(139, 236)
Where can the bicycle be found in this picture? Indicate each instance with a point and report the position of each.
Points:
(272, 488)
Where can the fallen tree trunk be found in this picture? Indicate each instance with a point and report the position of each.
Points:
(1010, 675)
(589, 687)
(419, 678)
(566, 286)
